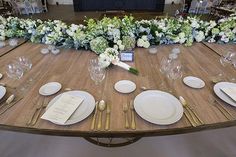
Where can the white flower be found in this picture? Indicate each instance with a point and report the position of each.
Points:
(146, 44)
(200, 36)
(195, 24)
(104, 60)
(144, 37)
(121, 47)
(140, 43)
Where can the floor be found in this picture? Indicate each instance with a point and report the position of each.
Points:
(213, 143)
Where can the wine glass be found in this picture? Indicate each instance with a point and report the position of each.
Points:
(14, 70)
(226, 61)
(25, 63)
(97, 72)
(175, 72)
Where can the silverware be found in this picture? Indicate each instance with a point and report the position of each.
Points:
(108, 115)
(38, 113)
(191, 112)
(10, 105)
(189, 119)
(125, 110)
(101, 108)
(225, 112)
(32, 117)
(133, 124)
(94, 117)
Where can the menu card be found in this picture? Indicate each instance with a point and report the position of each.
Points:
(230, 91)
(62, 109)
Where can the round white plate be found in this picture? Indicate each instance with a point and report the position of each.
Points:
(83, 111)
(158, 107)
(194, 82)
(221, 94)
(125, 86)
(2, 91)
(50, 88)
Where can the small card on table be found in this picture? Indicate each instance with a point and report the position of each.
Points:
(230, 91)
(62, 109)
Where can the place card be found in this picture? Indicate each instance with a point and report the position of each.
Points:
(230, 91)
(62, 109)
(127, 56)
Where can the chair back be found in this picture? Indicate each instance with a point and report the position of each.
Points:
(194, 6)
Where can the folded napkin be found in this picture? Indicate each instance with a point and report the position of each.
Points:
(230, 91)
(60, 111)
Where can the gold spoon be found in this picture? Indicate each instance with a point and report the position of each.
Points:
(101, 108)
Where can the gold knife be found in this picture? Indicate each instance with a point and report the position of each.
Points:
(108, 114)
(133, 124)
(94, 117)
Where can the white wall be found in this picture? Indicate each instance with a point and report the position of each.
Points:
(71, 1)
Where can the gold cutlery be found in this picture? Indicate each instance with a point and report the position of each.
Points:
(10, 105)
(38, 113)
(32, 117)
(133, 123)
(94, 116)
(189, 119)
(191, 112)
(101, 108)
(108, 114)
(223, 110)
(125, 110)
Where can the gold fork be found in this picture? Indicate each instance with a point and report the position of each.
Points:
(37, 113)
(125, 110)
(133, 124)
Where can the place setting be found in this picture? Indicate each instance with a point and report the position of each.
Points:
(66, 108)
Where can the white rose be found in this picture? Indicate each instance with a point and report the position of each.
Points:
(146, 44)
(140, 43)
(182, 40)
(144, 37)
(122, 47)
(119, 42)
(115, 47)
(200, 36)
(182, 35)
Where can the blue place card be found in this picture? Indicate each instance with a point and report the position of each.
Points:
(127, 56)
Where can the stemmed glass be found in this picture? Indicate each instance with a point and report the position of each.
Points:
(97, 72)
(175, 72)
(14, 70)
(226, 61)
(25, 63)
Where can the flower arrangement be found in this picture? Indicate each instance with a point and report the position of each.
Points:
(120, 34)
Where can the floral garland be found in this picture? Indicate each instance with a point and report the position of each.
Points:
(119, 34)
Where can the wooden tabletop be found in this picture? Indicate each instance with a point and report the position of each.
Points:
(8, 48)
(70, 69)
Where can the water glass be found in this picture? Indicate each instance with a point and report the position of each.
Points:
(14, 70)
(97, 74)
(25, 63)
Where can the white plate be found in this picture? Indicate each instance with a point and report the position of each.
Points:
(221, 94)
(83, 111)
(125, 86)
(158, 107)
(50, 88)
(2, 91)
(194, 82)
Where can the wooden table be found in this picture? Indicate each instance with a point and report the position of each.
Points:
(70, 69)
(9, 48)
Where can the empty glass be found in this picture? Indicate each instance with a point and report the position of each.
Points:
(14, 70)
(227, 60)
(175, 72)
(25, 63)
(97, 73)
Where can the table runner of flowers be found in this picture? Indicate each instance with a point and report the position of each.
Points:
(120, 33)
